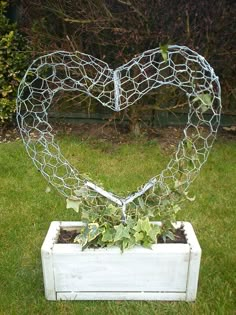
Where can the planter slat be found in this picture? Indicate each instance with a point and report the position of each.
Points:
(165, 272)
(151, 296)
(194, 263)
(113, 271)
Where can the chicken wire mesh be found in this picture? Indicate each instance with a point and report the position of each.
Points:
(117, 89)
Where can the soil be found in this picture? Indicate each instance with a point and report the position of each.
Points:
(67, 237)
(9, 134)
(166, 137)
(179, 238)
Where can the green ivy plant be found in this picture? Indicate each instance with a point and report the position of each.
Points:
(204, 101)
(103, 226)
(13, 63)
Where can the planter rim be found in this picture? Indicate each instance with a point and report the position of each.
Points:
(57, 225)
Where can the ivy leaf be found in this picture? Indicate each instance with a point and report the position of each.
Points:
(178, 183)
(139, 236)
(151, 213)
(111, 210)
(85, 216)
(82, 192)
(143, 226)
(128, 243)
(138, 226)
(82, 238)
(93, 231)
(121, 232)
(141, 203)
(4, 93)
(188, 143)
(130, 222)
(168, 234)
(47, 190)
(73, 203)
(131, 242)
(125, 244)
(205, 100)
(155, 230)
(189, 198)
(107, 235)
(146, 226)
(176, 208)
(164, 52)
(147, 244)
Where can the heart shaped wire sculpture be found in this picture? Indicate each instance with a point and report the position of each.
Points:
(117, 89)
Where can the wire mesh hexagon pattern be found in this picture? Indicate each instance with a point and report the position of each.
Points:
(117, 89)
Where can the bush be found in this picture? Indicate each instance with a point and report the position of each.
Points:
(13, 63)
(116, 30)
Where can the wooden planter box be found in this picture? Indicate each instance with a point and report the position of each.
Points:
(165, 272)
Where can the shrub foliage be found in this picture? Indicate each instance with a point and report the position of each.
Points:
(116, 30)
(13, 62)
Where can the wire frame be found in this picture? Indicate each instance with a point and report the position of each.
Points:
(117, 89)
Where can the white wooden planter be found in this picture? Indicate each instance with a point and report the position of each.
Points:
(165, 272)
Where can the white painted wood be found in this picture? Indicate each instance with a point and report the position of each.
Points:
(194, 263)
(151, 296)
(165, 272)
(47, 260)
(134, 270)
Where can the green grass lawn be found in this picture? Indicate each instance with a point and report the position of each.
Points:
(26, 211)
